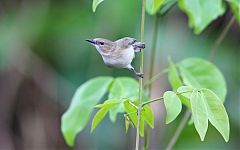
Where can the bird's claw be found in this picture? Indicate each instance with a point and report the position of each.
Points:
(140, 75)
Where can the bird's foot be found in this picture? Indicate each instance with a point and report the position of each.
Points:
(140, 75)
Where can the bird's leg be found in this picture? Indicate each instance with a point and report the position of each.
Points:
(140, 75)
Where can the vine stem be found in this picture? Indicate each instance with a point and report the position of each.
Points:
(179, 130)
(140, 79)
(188, 113)
(155, 77)
(221, 38)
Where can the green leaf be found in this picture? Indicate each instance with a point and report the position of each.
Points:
(102, 112)
(217, 114)
(152, 6)
(235, 6)
(95, 4)
(173, 106)
(107, 103)
(83, 101)
(132, 113)
(199, 73)
(185, 95)
(173, 76)
(166, 6)
(201, 12)
(148, 115)
(98, 117)
(127, 123)
(199, 113)
(122, 87)
(141, 127)
(185, 91)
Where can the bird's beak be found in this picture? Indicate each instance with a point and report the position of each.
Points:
(91, 41)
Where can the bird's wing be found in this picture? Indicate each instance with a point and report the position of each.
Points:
(108, 47)
(138, 46)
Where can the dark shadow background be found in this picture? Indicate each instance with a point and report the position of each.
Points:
(44, 58)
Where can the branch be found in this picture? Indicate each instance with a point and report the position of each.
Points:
(179, 130)
(140, 79)
(161, 98)
(221, 38)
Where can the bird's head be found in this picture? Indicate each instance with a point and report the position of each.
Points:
(101, 44)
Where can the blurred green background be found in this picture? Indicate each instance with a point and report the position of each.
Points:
(44, 58)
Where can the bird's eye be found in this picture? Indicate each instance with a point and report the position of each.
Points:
(101, 43)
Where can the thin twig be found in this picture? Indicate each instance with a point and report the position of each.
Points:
(179, 130)
(221, 38)
(161, 98)
(151, 101)
(155, 77)
(140, 79)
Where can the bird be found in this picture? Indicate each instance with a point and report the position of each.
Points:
(119, 53)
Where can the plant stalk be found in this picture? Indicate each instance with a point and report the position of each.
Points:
(179, 130)
(155, 77)
(221, 38)
(140, 79)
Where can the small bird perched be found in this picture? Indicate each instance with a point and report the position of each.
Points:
(119, 53)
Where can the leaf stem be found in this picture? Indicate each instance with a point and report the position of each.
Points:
(132, 104)
(221, 38)
(155, 77)
(140, 79)
(161, 98)
(151, 101)
(179, 130)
